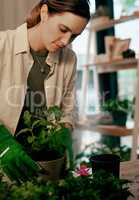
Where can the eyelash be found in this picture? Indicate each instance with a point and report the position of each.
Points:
(63, 30)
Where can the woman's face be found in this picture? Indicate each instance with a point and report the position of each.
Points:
(59, 30)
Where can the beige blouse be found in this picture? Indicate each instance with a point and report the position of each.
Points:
(15, 64)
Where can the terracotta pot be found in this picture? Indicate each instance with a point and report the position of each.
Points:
(52, 169)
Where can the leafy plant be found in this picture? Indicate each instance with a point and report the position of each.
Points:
(119, 110)
(123, 152)
(46, 135)
(110, 187)
(100, 185)
(34, 191)
(80, 186)
(114, 105)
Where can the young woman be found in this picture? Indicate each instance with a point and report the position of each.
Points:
(37, 69)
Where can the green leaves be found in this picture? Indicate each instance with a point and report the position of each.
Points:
(61, 141)
(31, 139)
(112, 105)
(45, 134)
(27, 118)
(54, 113)
(33, 191)
(98, 186)
(101, 185)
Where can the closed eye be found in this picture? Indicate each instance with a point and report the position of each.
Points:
(63, 30)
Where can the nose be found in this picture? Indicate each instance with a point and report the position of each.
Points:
(65, 40)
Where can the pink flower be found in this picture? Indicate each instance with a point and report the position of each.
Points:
(82, 171)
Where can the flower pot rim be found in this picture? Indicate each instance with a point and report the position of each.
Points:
(49, 161)
(105, 158)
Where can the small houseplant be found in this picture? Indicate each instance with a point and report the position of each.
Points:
(118, 109)
(46, 139)
(96, 186)
(98, 148)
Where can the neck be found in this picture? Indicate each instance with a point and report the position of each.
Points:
(34, 38)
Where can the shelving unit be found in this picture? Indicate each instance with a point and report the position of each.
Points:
(116, 65)
(113, 22)
(129, 169)
(106, 67)
(106, 129)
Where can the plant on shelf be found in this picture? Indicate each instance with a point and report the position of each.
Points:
(45, 138)
(119, 110)
(98, 148)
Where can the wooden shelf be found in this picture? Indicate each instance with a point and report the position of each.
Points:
(114, 130)
(105, 129)
(113, 22)
(115, 65)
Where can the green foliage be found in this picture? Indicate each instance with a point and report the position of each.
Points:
(4, 189)
(47, 134)
(114, 105)
(34, 191)
(123, 152)
(98, 186)
(110, 187)
(78, 188)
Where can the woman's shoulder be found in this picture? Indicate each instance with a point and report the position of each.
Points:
(69, 51)
(68, 54)
(6, 38)
(7, 33)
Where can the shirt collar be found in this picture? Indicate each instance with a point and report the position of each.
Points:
(22, 45)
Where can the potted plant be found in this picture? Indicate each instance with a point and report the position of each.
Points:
(118, 109)
(96, 186)
(47, 140)
(76, 185)
(98, 148)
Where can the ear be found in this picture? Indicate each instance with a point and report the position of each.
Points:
(44, 13)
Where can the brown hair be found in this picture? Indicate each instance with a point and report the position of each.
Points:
(78, 7)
